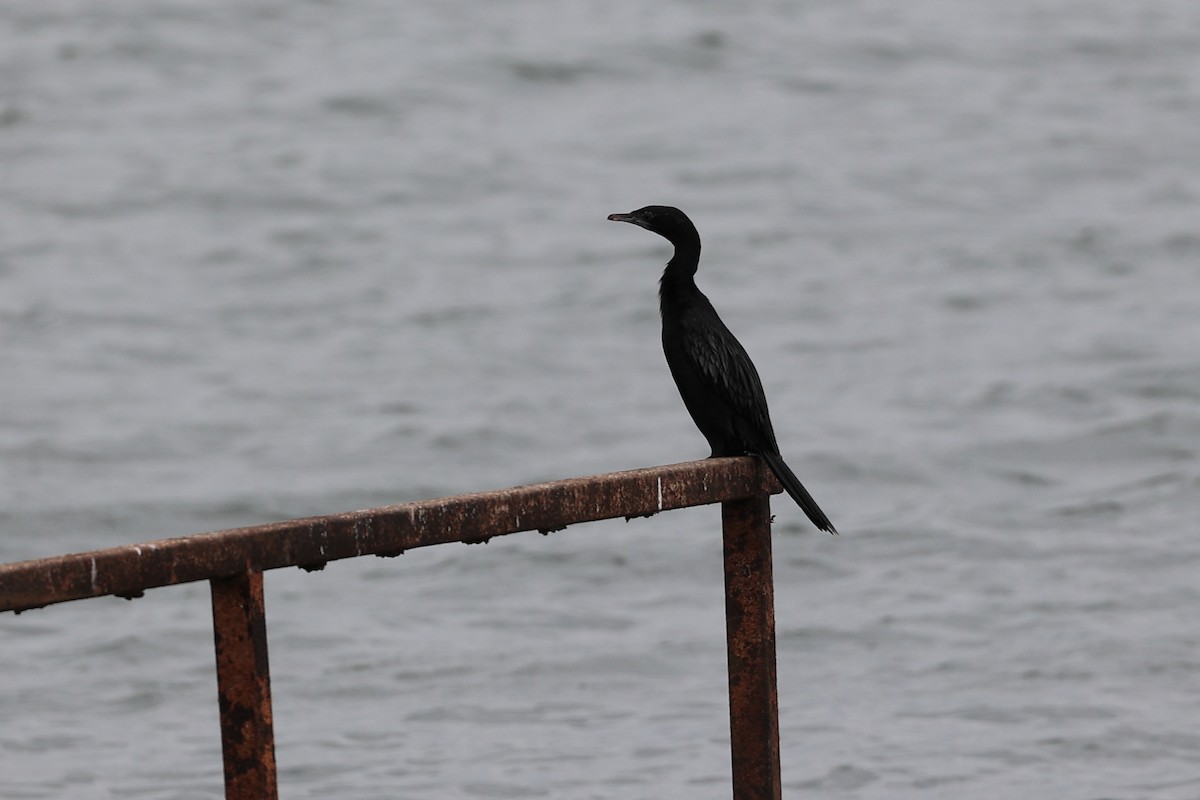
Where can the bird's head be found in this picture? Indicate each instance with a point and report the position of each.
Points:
(667, 221)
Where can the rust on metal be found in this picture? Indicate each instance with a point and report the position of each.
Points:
(233, 561)
(750, 631)
(244, 687)
(129, 570)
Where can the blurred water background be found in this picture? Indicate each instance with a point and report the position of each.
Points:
(264, 260)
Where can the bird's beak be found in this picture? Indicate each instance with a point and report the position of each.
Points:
(626, 218)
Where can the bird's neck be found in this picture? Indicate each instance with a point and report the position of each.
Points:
(678, 279)
(683, 264)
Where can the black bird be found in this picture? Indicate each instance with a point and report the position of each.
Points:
(715, 376)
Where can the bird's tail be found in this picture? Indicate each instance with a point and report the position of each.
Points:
(797, 491)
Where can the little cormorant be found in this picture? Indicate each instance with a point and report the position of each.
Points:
(716, 378)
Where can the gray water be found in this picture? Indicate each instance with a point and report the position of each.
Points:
(263, 260)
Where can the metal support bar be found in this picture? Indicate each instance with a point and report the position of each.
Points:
(750, 630)
(244, 687)
(233, 562)
(129, 570)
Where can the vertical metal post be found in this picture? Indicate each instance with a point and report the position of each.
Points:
(750, 631)
(244, 687)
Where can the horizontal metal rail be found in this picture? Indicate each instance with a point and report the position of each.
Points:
(233, 562)
(129, 570)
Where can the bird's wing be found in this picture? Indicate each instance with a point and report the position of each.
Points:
(730, 374)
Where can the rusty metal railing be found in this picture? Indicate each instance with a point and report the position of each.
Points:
(233, 561)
